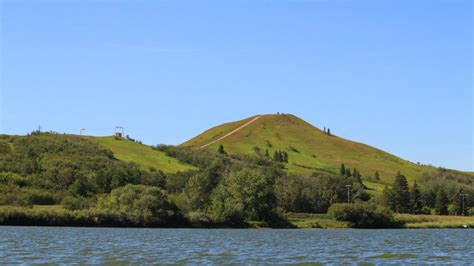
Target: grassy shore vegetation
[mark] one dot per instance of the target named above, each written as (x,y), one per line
(55,179)
(315,220)
(436,221)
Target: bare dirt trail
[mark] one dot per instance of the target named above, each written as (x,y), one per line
(232,132)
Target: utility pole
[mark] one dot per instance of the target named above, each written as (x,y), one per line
(462,195)
(348,193)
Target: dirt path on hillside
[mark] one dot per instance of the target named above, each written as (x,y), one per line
(232,132)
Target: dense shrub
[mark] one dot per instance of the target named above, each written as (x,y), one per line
(93,217)
(65,162)
(200,219)
(77,203)
(145,205)
(200,158)
(176,182)
(90,217)
(198,190)
(244,194)
(364,215)
(26,196)
(15,179)
(471,211)
(41,197)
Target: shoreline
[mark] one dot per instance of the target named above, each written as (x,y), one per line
(241,228)
(34,217)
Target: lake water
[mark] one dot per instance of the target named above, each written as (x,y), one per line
(222,246)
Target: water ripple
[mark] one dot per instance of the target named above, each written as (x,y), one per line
(117,246)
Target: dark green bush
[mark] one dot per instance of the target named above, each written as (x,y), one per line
(26,196)
(247,194)
(28,216)
(91,217)
(364,215)
(16,179)
(76,203)
(61,162)
(145,205)
(41,197)
(470,212)
(200,219)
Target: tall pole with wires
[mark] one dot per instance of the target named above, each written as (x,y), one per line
(462,195)
(348,193)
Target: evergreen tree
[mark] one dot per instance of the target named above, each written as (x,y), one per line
(357,176)
(429,198)
(348,172)
(355,173)
(416,202)
(401,193)
(377,176)
(457,201)
(285,157)
(343,170)
(441,203)
(266,153)
(278,156)
(221,149)
(389,198)
(329,132)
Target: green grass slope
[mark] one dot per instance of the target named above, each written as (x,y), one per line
(143,155)
(215,133)
(308,147)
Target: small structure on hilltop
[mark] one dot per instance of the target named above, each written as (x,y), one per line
(119,132)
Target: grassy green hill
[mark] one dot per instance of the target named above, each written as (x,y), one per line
(143,155)
(308,147)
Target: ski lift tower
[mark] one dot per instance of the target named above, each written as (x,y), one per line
(119,131)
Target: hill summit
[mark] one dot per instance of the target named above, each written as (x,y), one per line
(308,147)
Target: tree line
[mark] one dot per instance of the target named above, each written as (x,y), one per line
(431,200)
(223,189)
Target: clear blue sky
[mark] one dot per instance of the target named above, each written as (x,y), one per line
(396,75)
